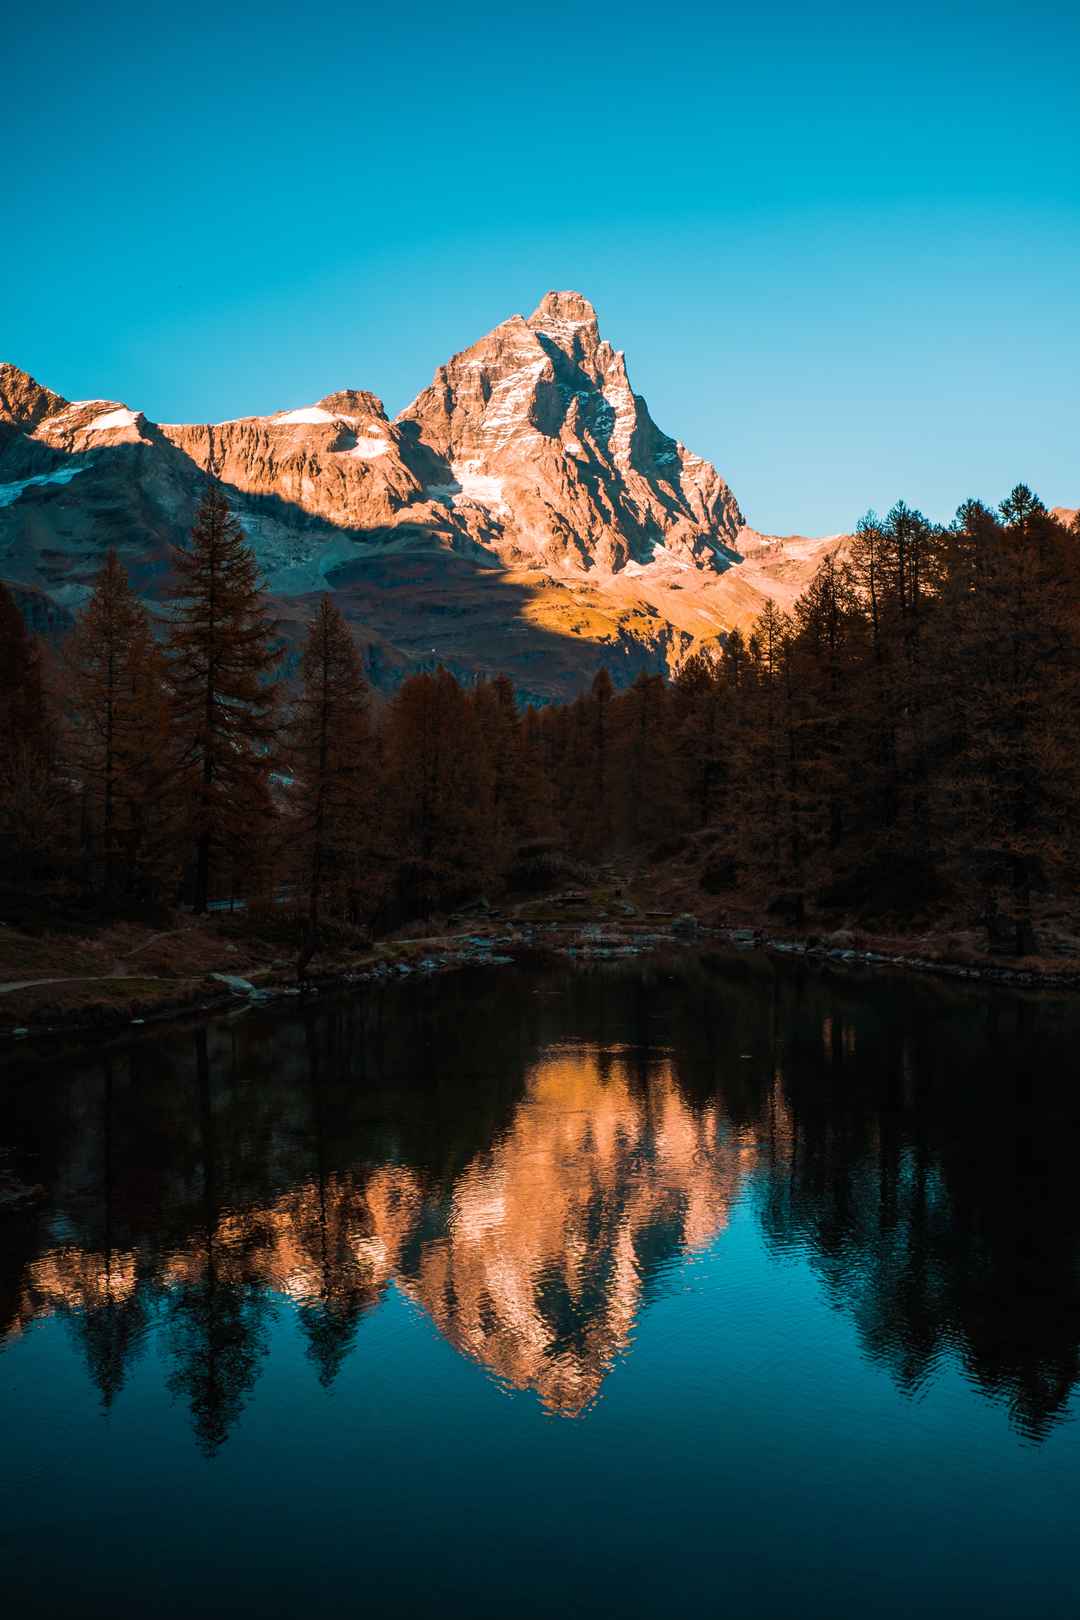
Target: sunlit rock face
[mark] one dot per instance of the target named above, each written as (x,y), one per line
(523,514)
(530,447)
(555,459)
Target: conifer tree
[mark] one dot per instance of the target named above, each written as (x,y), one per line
(537,790)
(329,755)
(220,647)
(23,717)
(32,799)
(825,654)
(735,679)
(499,724)
(767,809)
(107,660)
(698,733)
(645,767)
(439,789)
(149,835)
(1015,657)
(588,786)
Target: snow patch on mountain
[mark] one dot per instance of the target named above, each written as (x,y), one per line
(9,493)
(120,418)
(308,415)
(474,485)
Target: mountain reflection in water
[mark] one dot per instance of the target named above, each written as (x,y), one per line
(530,1159)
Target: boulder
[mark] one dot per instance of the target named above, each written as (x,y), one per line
(243,987)
(686,926)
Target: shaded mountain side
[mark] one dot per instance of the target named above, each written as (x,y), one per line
(421,609)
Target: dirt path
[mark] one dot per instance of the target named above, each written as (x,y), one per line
(80,978)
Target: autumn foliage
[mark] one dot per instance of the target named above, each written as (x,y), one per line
(907,738)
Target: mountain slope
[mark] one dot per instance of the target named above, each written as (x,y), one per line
(524,512)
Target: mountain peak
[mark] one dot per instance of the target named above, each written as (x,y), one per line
(563,309)
(550,458)
(23,400)
(353,402)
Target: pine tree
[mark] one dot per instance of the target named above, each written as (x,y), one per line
(439,793)
(220,647)
(826,653)
(645,768)
(105,661)
(698,732)
(588,789)
(1015,657)
(23,717)
(148,832)
(495,708)
(329,754)
(33,802)
(765,827)
(537,788)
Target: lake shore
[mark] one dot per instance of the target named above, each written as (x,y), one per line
(53,985)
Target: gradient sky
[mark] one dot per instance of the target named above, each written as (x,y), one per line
(840,244)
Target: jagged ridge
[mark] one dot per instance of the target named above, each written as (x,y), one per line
(523,512)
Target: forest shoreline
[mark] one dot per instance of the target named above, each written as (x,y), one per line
(106,1004)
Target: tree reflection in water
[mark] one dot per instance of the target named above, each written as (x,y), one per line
(526,1157)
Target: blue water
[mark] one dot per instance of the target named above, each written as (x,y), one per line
(714,1302)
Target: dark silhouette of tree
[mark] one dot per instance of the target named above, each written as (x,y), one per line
(329,754)
(904,743)
(215,1319)
(33,802)
(439,793)
(119,729)
(113,1320)
(699,736)
(766,827)
(644,763)
(221,653)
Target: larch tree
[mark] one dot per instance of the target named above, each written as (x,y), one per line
(698,733)
(221,653)
(826,653)
(1019,649)
(329,756)
(495,708)
(149,832)
(439,794)
(766,808)
(644,761)
(32,799)
(105,659)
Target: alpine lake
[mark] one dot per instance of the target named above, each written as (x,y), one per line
(702,1283)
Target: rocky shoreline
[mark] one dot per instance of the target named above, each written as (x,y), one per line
(500,942)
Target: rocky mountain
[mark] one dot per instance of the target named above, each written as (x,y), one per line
(523,513)
(554,459)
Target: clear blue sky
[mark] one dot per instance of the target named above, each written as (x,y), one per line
(840,244)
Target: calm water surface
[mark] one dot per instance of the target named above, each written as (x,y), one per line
(693,1286)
